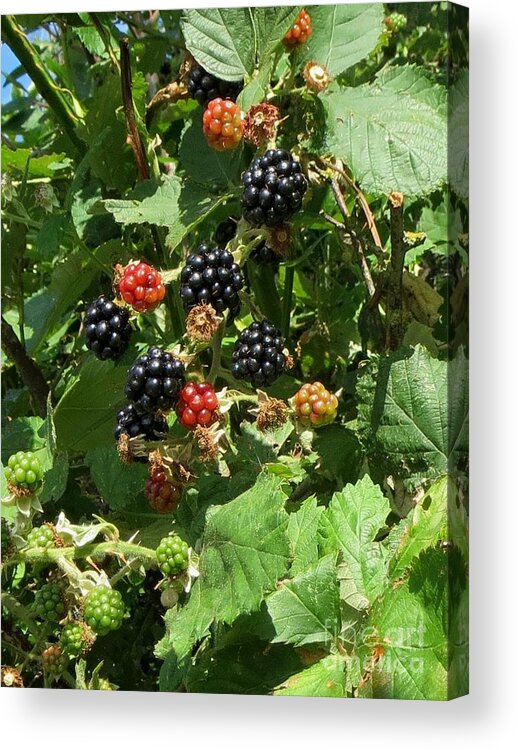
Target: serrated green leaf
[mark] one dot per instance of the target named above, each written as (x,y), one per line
(222,40)
(245,552)
(325,679)
(120,485)
(39,166)
(389,133)
(306,609)
(411,646)
(458,135)
(342,35)
(204,164)
(350,524)
(418,418)
(22,434)
(302,533)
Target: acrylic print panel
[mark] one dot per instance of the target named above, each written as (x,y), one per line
(235,318)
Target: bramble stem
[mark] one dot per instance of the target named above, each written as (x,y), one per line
(54,554)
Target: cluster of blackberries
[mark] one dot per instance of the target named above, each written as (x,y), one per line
(273,188)
(204,86)
(107,328)
(155,380)
(211,275)
(258,354)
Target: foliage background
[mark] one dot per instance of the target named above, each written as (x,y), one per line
(62,252)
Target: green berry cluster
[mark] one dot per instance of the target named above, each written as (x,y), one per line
(54,660)
(24,470)
(173,555)
(41,536)
(103,610)
(74,640)
(49,602)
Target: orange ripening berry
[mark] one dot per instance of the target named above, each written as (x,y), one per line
(300,31)
(141,286)
(315,405)
(223,124)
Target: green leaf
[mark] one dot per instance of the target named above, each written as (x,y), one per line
(22,434)
(391,133)
(302,533)
(418,418)
(350,524)
(306,609)
(342,35)
(204,164)
(120,485)
(411,648)
(325,679)
(271,24)
(172,203)
(426,524)
(85,414)
(458,135)
(254,670)
(222,40)
(340,453)
(39,166)
(245,552)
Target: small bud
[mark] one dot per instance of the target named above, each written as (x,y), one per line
(207,442)
(317,76)
(11,677)
(202,323)
(45,197)
(261,123)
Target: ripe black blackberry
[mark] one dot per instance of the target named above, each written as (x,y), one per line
(225,231)
(258,354)
(273,188)
(131,422)
(154,381)
(263,255)
(211,275)
(203,86)
(107,328)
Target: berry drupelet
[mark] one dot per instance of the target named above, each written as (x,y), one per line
(273,188)
(204,87)
(107,328)
(41,536)
(155,380)
(211,275)
(258,354)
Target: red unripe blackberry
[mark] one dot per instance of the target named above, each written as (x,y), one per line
(300,31)
(315,405)
(162,494)
(141,286)
(197,405)
(223,124)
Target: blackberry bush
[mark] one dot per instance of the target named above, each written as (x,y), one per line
(204,87)
(132,422)
(107,328)
(24,471)
(155,380)
(173,555)
(103,609)
(273,188)
(211,275)
(259,354)
(197,405)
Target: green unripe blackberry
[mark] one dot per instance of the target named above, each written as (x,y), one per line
(24,470)
(75,638)
(49,602)
(41,536)
(173,555)
(104,610)
(54,660)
